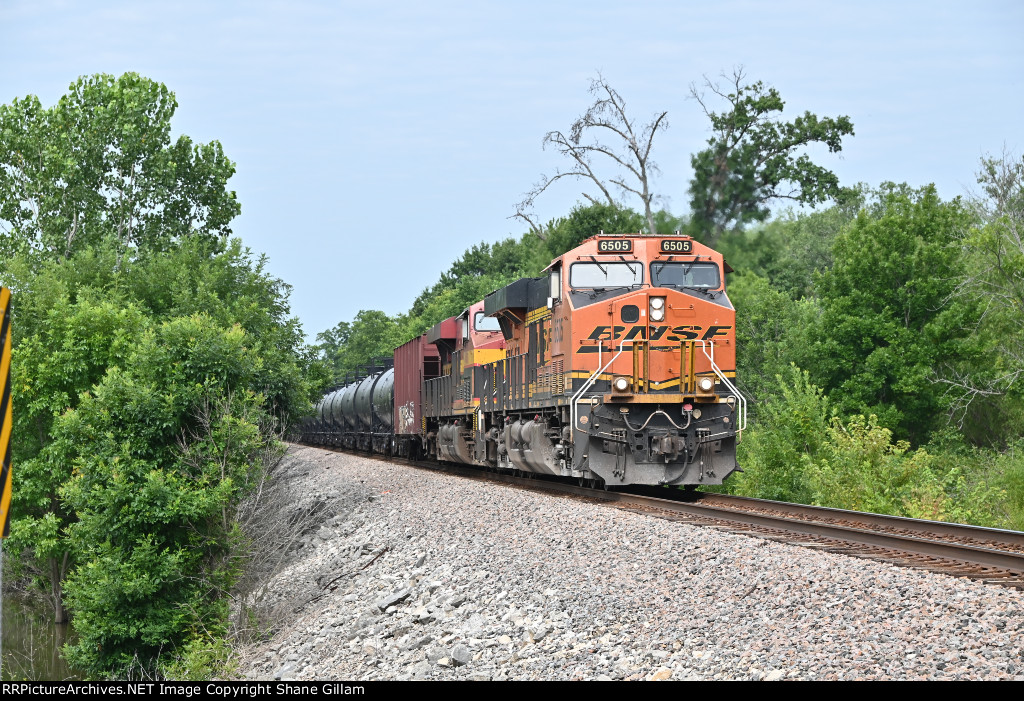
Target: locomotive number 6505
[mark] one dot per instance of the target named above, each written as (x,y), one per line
(614,246)
(676,246)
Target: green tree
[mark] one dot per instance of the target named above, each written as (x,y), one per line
(988,396)
(231,285)
(71,352)
(160,453)
(887,321)
(349,347)
(753,158)
(667,224)
(80,321)
(101,165)
(770,327)
(508,256)
(479,271)
(584,221)
(792,247)
(453,300)
(108,231)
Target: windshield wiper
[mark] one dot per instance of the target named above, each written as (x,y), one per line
(594,291)
(705,290)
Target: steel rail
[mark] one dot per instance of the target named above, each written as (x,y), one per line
(728,509)
(972,554)
(917,545)
(923,526)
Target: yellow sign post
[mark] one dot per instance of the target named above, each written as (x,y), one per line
(5,434)
(5,411)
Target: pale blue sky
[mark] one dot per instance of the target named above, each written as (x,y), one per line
(375,142)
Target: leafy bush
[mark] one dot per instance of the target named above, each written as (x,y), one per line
(799,450)
(768,335)
(1013,483)
(777,452)
(161,452)
(862,469)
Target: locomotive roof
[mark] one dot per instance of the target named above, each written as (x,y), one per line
(698,248)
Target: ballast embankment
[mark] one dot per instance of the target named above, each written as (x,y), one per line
(418,575)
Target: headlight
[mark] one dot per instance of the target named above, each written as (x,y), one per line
(657,315)
(657,302)
(620,384)
(706,384)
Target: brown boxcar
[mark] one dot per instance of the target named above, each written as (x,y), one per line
(415,362)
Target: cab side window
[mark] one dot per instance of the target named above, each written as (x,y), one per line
(555,291)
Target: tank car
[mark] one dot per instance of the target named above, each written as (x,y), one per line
(358,414)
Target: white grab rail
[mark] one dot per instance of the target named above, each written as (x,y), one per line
(742,409)
(591,380)
(705,346)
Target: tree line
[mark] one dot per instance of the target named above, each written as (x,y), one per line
(154,365)
(753,158)
(880,337)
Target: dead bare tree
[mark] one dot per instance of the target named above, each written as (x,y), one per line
(631,158)
(271,531)
(995,249)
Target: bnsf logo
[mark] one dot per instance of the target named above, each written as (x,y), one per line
(658,333)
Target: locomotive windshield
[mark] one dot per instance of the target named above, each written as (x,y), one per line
(485,323)
(597,275)
(665,274)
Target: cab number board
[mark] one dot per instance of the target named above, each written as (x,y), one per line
(614,246)
(676,246)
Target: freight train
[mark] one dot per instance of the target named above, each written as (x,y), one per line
(617,366)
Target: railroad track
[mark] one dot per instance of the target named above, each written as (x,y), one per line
(992,555)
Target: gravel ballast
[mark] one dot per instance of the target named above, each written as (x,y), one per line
(418,575)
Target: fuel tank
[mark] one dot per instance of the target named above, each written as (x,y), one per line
(322,406)
(336,399)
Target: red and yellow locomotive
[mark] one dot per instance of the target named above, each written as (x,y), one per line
(617,366)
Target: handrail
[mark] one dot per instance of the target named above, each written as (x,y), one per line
(689,418)
(590,381)
(742,413)
(705,346)
(642,353)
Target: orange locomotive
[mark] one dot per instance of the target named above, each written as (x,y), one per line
(617,367)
